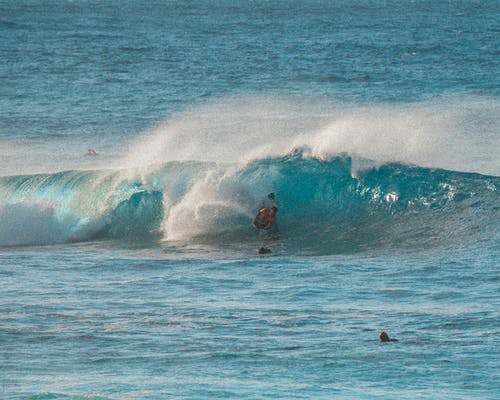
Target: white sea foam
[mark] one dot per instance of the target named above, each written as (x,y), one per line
(211,201)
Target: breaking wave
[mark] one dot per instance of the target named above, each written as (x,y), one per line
(325,206)
(346,177)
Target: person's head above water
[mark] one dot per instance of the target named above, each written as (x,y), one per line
(384,337)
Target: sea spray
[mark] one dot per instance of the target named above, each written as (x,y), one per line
(437,133)
(457,132)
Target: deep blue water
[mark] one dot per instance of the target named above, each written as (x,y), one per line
(133,274)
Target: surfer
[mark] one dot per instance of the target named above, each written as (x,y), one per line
(266,216)
(384,337)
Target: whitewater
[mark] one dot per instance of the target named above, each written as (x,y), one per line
(131,271)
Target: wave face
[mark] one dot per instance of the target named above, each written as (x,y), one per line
(74,206)
(324,207)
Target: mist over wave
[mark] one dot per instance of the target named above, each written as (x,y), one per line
(457,133)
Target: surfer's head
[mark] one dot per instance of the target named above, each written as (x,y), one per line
(264,250)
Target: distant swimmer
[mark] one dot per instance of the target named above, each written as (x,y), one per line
(91,152)
(384,337)
(264,250)
(266,217)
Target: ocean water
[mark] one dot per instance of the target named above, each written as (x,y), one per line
(134,273)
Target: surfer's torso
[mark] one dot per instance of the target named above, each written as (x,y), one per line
(265,217)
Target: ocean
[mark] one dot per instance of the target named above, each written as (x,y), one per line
(138,140)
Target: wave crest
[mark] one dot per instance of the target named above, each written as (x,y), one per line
(323,205)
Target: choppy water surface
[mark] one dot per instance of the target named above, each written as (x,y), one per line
(131,326)
(133,273)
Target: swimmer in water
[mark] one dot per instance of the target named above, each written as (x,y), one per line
(264,250)
(91,152)
(384,337)
(266,216)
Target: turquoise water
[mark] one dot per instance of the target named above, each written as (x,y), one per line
(87,322)
(134,273)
